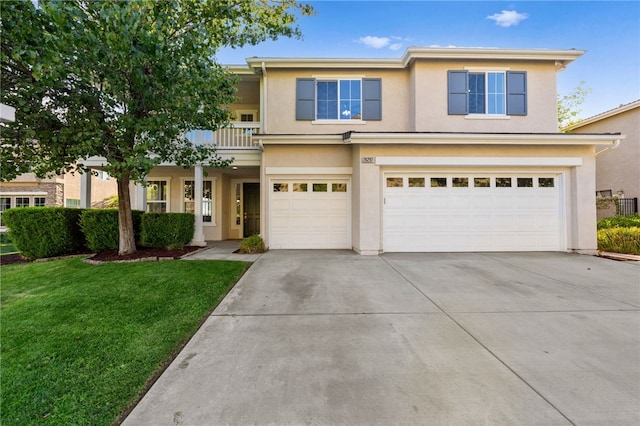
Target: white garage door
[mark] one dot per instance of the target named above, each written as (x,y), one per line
(438,212)
(310,214)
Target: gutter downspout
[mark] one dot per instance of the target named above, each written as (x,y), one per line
(609,148)
(263,114)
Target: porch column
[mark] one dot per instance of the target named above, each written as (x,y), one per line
(198,234)
(139,197)
(85,190)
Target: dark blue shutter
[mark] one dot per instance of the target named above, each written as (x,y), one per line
(371,99)
(458,89)
(516,93)
(305,99)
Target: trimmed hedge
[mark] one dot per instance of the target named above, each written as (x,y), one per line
(167,230)
(39,232)
(619,240)
(619,222)
(100,228)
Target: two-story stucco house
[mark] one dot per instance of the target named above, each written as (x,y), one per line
(443,149)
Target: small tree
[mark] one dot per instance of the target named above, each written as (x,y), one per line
(568,105)
(123,80)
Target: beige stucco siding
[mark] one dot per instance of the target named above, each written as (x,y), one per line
(619,169)
(431,109)
(281,102)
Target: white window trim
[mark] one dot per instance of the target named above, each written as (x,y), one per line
(213,198)
(337,120)
(239,113)
(486,115)
(168,200)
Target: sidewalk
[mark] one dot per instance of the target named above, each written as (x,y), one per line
(223,250)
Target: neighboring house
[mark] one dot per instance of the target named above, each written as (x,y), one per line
(617,170)
(27,190)
(443,149)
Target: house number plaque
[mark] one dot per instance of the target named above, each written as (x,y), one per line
(368,160)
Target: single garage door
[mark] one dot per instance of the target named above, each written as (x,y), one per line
(310,214)
(438,212)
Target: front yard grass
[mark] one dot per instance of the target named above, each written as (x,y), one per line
(80,342)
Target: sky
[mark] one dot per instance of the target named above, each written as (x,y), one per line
(609,31)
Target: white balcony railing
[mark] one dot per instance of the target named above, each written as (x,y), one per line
(238,136)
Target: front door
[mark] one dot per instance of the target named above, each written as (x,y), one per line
(251,205)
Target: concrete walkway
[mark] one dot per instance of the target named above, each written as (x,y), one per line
(223,250)
(334,338)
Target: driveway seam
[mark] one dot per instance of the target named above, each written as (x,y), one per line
(324,314)
(529,385)
(567,283)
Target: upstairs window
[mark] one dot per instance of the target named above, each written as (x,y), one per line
(488,93)
(338,99)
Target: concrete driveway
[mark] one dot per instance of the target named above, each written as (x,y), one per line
(331,337)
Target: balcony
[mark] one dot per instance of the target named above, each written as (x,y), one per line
(238,136)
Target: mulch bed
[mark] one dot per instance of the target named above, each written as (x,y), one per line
(143,253)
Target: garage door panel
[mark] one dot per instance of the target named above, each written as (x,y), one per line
(310,219)
(472,218)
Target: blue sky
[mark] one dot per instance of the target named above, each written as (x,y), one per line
(608,30)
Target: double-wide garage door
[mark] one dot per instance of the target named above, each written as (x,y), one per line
(310,214)
(427,212)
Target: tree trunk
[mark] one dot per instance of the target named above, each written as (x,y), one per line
(125,220)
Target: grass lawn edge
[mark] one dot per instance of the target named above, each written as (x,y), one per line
(167,362)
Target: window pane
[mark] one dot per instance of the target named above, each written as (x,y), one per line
(495,94)
(157,207)
(280,187)
(439,182)
(300,187)
(319,187)
(481,182)
(238,190)
(327,100)
(476,93)
(190,207)
(416,182)
(188,190)
(546,182)
(350,99)
(5,203)
(156,190)
(525,182)
(503,182)
(38,201)
(394,182)
(22,201)
(460,182)
(338,187)
(72,202)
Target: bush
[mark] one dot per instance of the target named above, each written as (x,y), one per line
(5,238)
(100,228)
(39,232)
(619,240)
(167,230)
(253,244)
(619,222)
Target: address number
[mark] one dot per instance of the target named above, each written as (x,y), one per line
(368,160)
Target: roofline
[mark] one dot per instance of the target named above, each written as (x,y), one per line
(439,138)
(604,115)
(561,57)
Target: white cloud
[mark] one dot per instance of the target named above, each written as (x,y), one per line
(375,42)
(507,18)
(395,46)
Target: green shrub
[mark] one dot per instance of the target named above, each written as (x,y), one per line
(39,232)
(619,222)
(619,240)
(252,244)
(100,228)
(5,238)
(167,230)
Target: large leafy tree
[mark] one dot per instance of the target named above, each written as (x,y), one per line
(123,80)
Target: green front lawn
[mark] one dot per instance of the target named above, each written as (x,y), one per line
(79,342)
